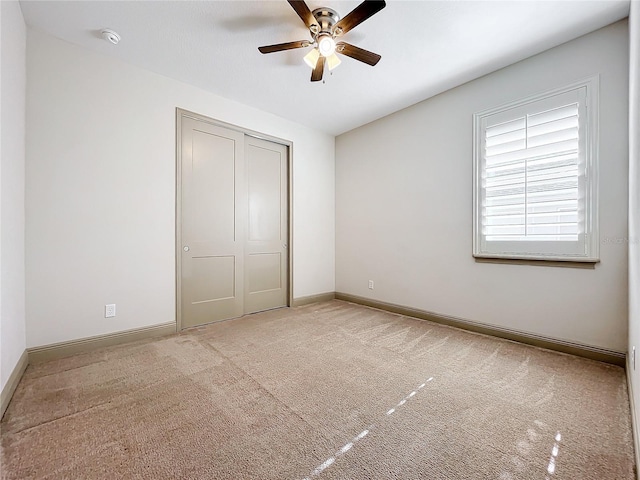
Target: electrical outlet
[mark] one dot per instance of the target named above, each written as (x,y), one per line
(370,284)
(110,310)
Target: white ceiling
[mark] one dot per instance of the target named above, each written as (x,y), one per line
(427,47)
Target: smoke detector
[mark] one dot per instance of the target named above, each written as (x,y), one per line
(110,36)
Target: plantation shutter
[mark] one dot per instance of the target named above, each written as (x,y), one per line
(532,196)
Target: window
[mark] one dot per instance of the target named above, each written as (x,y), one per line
(535,177)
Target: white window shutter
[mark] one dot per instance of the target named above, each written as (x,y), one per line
(533,196)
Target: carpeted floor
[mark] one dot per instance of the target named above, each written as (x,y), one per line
(326,391)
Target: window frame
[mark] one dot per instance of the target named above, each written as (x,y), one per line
(591,252)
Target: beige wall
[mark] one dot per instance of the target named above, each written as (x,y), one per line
(12,141)
(634,200)
(404,206)
(100,197)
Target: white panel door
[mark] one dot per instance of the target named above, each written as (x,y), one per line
(266,249)
(214,215)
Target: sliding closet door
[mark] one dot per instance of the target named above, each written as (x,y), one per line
(233,223)
(266,249)
(213,222)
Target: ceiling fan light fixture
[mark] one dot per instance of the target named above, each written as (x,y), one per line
(311,58)
(325,25)
(326,45)
(333,61)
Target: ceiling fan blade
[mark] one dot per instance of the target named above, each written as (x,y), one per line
(303,12)
(284,46)
(358,53)
(366,9)
(316,75)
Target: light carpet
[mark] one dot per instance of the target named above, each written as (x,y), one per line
(326,391)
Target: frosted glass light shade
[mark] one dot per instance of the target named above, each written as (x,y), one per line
(311,58)
(333,61)
(326,45)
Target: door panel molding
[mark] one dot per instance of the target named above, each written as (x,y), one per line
(213,228)
(266,240)
(183,115)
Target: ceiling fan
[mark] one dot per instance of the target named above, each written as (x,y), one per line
(325,25)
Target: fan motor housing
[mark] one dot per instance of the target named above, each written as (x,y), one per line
(326,18)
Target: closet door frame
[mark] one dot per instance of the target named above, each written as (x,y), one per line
(182,113)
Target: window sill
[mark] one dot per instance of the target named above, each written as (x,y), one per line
(587,263)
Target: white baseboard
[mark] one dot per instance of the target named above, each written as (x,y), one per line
(12,383)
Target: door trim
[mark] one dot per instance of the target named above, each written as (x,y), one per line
(182,113)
